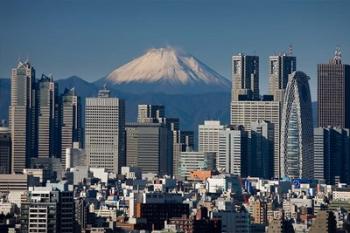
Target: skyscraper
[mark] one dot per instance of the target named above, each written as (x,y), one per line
(332,155)
(150,113)
(21,115)
(5,150)
(233,150)
(280,66)
(147,147)
(208,136)
(105,131)
(194,160)
(297,129)
(246,112)
(333,93)
(261,142)
(70,120)
(245,76)
(47,118)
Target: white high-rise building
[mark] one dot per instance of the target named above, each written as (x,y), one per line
(233,154)
(208,136)
(297,158)
(21,115)
(105,132)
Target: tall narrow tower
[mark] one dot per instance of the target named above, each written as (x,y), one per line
(70,120)
(245,77)
(47,118)
(21,115)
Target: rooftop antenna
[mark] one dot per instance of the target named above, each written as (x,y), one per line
(337,55)
(290,50)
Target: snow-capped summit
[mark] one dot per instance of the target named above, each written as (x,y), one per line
(166,70)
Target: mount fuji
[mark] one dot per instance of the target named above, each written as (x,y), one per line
(166,70)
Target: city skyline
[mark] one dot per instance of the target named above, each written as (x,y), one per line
(92,41)
(94,139)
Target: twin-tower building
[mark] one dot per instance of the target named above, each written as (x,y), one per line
(287,108)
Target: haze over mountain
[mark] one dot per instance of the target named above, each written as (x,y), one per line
(166,70)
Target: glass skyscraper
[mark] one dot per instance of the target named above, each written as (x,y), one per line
(297,128)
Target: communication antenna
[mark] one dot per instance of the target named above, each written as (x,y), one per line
(337,55)
(290,50)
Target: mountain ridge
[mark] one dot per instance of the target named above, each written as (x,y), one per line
(166,70)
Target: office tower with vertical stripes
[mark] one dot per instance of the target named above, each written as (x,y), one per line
(47,120)
(332,155)
(21,115)
(261,143)
(333,93)
(147,147)
(245,77)
(280,67)
(105,131)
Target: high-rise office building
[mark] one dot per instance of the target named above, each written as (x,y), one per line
(297,128)
(332,155)
(21,115)
(150,113)
(70,121)
(182,141)
(233,150)
(280,67)
(208,136)
(5,150)
(245,112)
(333,93)
(147,147)
(47,131)
(105,131)
(195,160)
(261,143)
(245,76)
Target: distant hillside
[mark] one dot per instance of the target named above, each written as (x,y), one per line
(192,109)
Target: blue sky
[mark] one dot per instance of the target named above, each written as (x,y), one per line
(90,38)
